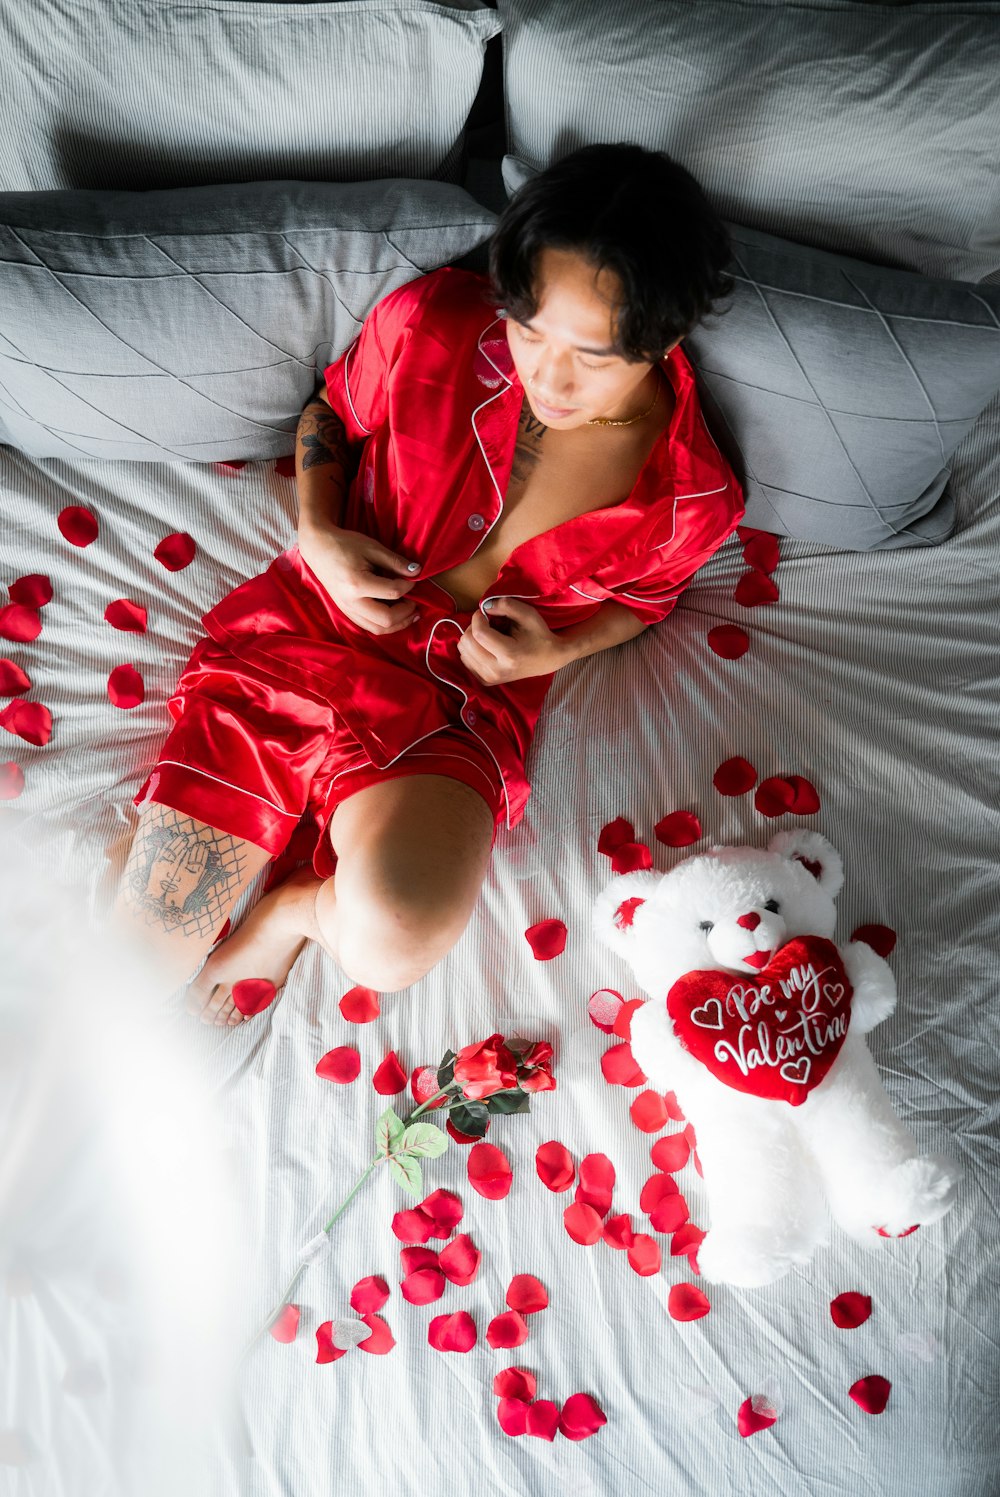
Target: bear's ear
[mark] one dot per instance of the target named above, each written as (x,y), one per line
(615,910)
(818,856)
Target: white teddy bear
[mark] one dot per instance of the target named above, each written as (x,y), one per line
(756,1021)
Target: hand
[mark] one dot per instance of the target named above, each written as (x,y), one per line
(526,647)
(366,580)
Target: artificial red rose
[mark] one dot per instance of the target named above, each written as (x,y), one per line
(483,1069)
(534,1074)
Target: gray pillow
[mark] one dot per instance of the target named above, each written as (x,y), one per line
(140,94)
(866,129)
(193,325)
(839,390)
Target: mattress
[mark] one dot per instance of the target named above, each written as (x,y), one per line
(873,675)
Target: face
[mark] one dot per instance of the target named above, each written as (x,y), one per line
(176,871)
(565,349)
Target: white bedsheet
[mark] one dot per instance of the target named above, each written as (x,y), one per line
(876,677)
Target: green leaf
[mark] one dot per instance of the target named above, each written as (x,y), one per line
(424,1140)
(513,1101)
(388,1131)
(446,1070)
(470,1118)
(407,1171)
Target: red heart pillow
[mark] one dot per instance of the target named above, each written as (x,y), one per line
(774,1034)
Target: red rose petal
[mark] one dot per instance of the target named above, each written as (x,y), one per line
(19,623)
(554,1166)
(644,1255)
(614,834)
(690,1135)
(29,720)
(754,1414)
(369,1295)
(463,1138)
(806,799)
(413,1225)
(546,939)
(580,1417)
(526,1294)
(11,780)
(630,856)
(673,1107)
(342,1065)
(489,1171)
(507,1330)
(389,1078)
(285,466)
(762,551)
(735,777)
(543,1419)
(460,1260)
(597,1182)
(78,525)
(452,1332)
(619,1067)
(649,1112)
(618,1232)
(687,1239)
(232,465)
(512,1414)
(729,641)
(755,588)
(360,1006)
(444,1209)
(871,1393)
(325,1349)
(13,680)
(582,1223)
(125,615)
(850,1310)
(881,938)
(686,1302)
(286,1327)
(656,1189)
(669,1214)
(252,995)
(622,1026)
(603,1007)
(412,1258)
(515,1382)
(422,1286)
(670,1153)
(424,1085)
(175,551)
(34,591)
(125,687)
(679,829)
(774,796)
(381,1339)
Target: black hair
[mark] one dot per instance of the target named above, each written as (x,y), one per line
(625,209)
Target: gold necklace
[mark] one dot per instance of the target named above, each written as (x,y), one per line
(606,420)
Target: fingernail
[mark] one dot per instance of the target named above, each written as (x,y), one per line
(487,605)
(413,566)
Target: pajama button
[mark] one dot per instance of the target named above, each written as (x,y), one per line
(470,716)
(476,522)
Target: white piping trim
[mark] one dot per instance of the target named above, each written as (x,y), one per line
(503,391)
(638,598)
(591,596)
(465,697)
(464,758)
(238,788)
(347,385)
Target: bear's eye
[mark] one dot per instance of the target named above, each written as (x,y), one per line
(773,906)
(707,925)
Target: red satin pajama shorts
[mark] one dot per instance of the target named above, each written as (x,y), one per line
(251,757)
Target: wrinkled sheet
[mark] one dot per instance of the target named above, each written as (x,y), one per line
(876,677)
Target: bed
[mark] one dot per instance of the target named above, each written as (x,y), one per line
(873,674)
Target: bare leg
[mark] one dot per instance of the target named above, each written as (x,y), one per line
(182,879)
(412,855)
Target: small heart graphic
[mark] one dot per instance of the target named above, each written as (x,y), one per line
(780,1013)
(797,1070)
(833,991)
(709,1016)
(347,1333)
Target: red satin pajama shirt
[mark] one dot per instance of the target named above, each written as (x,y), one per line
(287,707)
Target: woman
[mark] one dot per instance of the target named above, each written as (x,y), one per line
(501,475)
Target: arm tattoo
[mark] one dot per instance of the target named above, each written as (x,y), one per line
(322,435)
(181,874)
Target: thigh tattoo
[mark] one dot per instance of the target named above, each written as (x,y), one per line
(180,875)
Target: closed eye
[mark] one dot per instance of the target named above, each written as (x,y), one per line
(773,906)
(706,925)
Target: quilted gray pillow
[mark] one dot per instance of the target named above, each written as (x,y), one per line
(193,325)
(840,389)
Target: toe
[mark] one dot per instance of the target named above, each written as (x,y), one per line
(220,994)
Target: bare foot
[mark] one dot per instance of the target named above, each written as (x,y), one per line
(266,944)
